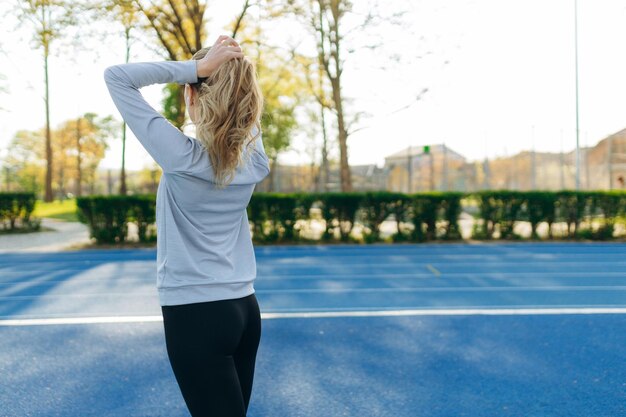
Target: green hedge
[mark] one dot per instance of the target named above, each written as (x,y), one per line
(108,216)
(16,209)
(587,214)
(420,217)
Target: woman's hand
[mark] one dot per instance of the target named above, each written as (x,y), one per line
(224,49)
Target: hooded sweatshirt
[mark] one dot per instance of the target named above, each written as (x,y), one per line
(204,246)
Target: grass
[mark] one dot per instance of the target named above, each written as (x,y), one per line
(57,209)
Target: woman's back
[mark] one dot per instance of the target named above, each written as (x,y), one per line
(205,249)
(206,265)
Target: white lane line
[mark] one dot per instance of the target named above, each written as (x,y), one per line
(448,312)
(319,314)
(80,320)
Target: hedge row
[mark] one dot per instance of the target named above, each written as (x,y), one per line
(502,209)
(420,217)
(16,209)
(275,216)
(108,216)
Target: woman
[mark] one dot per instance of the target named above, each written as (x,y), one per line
(206,265)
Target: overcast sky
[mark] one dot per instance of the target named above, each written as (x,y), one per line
(500,76)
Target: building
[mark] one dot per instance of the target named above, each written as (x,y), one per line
(422,168)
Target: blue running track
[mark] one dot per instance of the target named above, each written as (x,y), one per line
(445,330)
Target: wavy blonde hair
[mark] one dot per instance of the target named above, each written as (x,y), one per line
(229,105)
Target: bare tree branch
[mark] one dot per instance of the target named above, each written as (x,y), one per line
(246,6)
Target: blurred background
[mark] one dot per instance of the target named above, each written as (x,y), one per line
(404,96)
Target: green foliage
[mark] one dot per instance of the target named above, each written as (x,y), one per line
(16,209)
(25,164)
(142,212)
(279,217)
(500,210)
(274,216)
(339,211)
(278,122)
(173,109)
(376,207)
(108,216)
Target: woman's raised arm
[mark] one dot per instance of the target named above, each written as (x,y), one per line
(167,145)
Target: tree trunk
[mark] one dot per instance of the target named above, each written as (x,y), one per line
(48,194)
(123,190)
(79,177)
(273,163)
(325,167)
(62,181)
(335,81)
(346,181)
(180,119)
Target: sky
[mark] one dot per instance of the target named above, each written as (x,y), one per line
(500,76)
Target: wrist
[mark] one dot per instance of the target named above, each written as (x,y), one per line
(203,68)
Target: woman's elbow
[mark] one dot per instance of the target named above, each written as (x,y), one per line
(110,73)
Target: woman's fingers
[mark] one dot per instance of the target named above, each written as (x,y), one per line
(226,40)
(224,49)
(220,39)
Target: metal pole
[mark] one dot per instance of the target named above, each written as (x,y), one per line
(533,164)
(444,186)
(587,181)
(562,160)
(409,170)
(576,78)
(609,160)
(432,171)
(486,171)
(487,174)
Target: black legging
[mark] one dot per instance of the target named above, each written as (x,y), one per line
(212,348)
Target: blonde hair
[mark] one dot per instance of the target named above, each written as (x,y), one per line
(228,106)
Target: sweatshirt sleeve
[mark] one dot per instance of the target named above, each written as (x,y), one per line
(167,144)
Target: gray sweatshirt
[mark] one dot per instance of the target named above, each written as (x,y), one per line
(204,246)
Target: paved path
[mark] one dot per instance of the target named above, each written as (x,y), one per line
(65,234)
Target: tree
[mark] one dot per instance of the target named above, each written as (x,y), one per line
(23,166)
(180,27)
(79,146)
(325,20)
(283,87)
(334,25)
(126,13)
(84,141)
(239,21)
(317,88)
(49,18)
(329,17)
